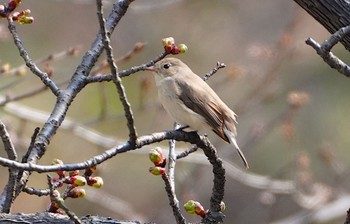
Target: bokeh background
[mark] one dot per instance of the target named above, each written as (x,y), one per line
(292,108)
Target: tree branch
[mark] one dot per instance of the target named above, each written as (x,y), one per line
(8,193)
(65,97)
(333,15)
(116,79)
(324,50)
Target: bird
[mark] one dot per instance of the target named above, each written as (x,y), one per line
(191,102)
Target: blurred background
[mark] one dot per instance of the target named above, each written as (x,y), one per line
(291,108)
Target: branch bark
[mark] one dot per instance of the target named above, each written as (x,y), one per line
(333,15)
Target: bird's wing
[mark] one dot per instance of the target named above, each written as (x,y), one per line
(204,105)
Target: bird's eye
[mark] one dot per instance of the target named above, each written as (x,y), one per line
(167,65)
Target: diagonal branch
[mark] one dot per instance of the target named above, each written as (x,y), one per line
(30,64)
(8,192)
(77,83)
(116,79)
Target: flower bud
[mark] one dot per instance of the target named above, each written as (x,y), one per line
(96,182)
(168,48)
(222,206)
(168,41)
(89,171)
(298,98)
(77,193)
(5,68)
(182,48)
(56,194)
(156,156)
(194,207)
(157,170)
(175,50)
(73,173)
(21,71)
(57,181)
(13,4)
(78,180)
(54,206)
(60,173)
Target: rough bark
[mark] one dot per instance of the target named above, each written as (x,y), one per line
(333,15)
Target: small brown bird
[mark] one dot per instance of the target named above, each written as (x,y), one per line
(190,101)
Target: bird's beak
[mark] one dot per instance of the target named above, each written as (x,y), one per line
(151,68)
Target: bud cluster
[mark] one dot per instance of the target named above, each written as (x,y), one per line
(74,181)
(158,159)
(6,10)
(171,48)
(194,207)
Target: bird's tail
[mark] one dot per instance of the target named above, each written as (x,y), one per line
(232,139)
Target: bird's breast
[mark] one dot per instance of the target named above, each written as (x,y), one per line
(169,92)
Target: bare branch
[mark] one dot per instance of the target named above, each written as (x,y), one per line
(324,50)
(187,152)
(214,70)
(174,203)
(71,214)
(77,82)
(37,192)
(30,64)
(11,183)
(127,72)
(116,79)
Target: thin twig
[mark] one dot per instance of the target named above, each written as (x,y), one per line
(104,64)
(174,203)
(172,160)
(52,57)
(12,155)
(29,93)
(324,50)
(214,70)
(169,180)
(187,152)
(116,79)
(71,214)
(25,160)
(30,64)
(37,192)
(127,72)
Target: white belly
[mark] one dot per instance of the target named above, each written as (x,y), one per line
(167,92)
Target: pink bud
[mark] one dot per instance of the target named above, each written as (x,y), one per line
(96,182)
(74,173)
(156,156)
(78,180)
(168,48)
(168,41)
(175,50)
(76,193)
(194,207)
(183,48)
(157,170)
